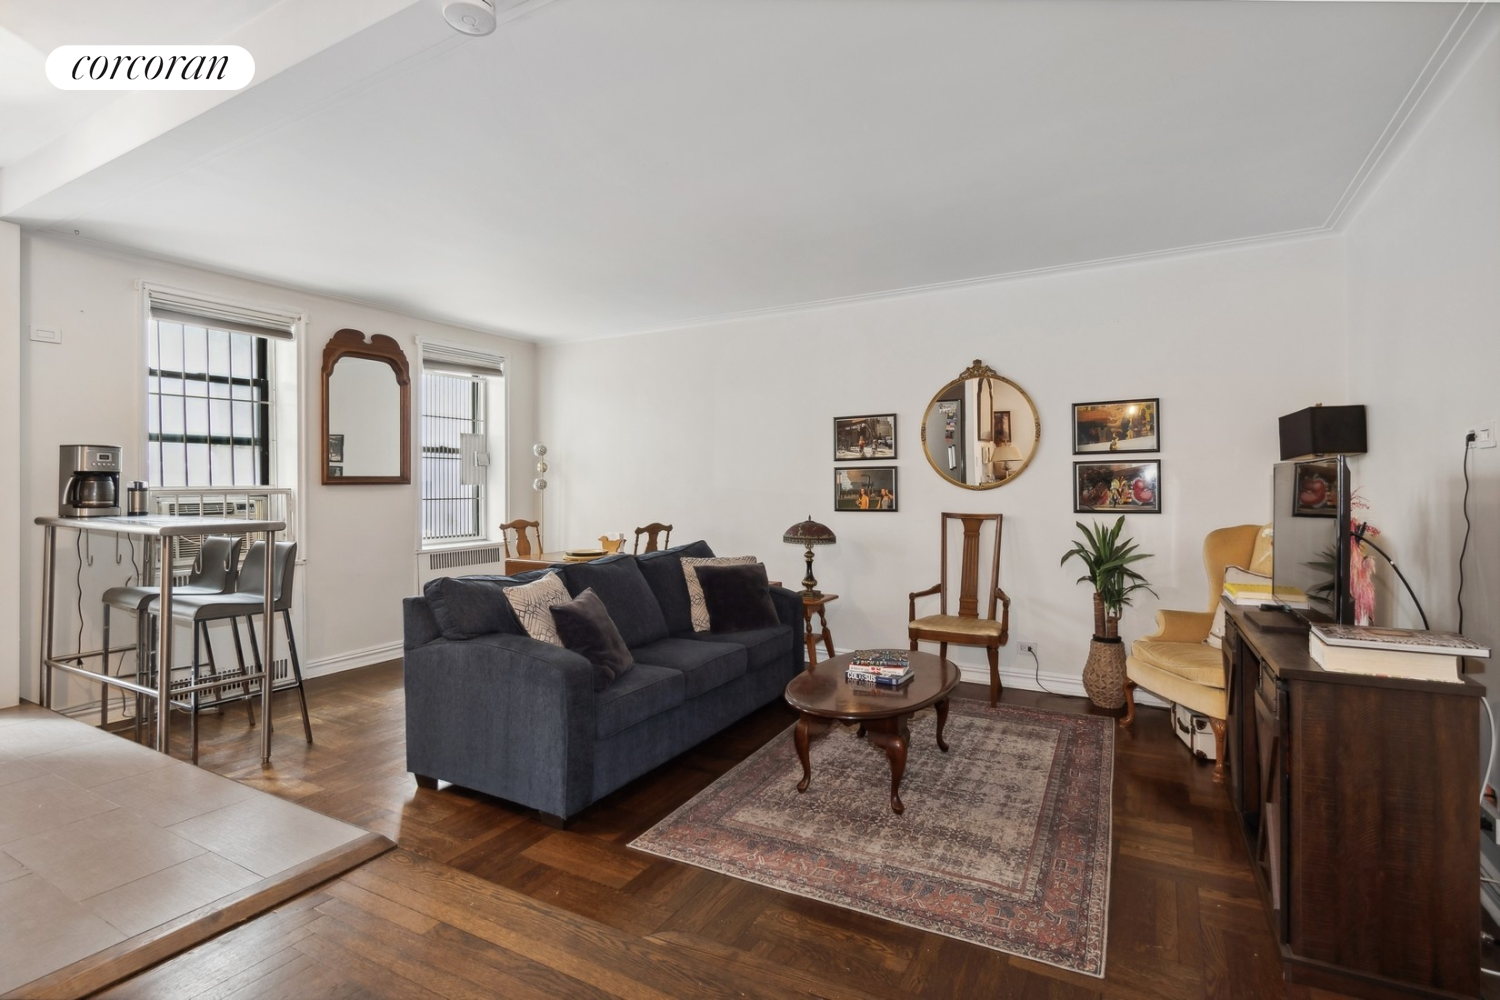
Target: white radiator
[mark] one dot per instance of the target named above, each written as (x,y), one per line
(481,560)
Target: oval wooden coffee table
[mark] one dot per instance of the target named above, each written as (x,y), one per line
(821,695)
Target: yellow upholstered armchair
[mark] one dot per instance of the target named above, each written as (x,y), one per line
(1176,662)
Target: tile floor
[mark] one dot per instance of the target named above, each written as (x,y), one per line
(102,839)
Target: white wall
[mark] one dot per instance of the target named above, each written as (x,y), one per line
(726,431)
(10,463)
(1424,319)
(358,541)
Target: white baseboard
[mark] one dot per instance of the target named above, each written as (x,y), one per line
(1026,680)
(352,660)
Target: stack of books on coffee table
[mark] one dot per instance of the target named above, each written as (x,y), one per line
(881,667)
(1392,652)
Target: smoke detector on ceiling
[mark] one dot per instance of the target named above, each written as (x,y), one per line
(472,17)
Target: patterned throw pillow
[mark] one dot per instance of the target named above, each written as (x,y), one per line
(533,602)
(695,589)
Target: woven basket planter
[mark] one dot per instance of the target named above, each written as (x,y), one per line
(1104,672)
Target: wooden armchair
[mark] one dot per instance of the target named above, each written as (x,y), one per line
(523,545)
(966,628)
(651,531)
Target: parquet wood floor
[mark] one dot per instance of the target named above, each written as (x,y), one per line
(483,900)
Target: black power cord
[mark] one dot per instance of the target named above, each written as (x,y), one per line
(1038,674)
(1468,440)
(1360,539)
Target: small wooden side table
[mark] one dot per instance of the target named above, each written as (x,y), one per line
(818,605)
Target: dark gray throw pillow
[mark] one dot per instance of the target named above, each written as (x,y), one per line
(468,606)
(585,627)
(663,572)
(738,597)
(617,581)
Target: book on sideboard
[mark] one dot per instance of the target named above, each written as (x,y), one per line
(1412,640)
(1416,654)
(1255,594)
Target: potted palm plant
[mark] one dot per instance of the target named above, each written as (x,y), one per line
(1108,559)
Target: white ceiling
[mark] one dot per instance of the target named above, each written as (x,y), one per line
(600,167)
(32,111)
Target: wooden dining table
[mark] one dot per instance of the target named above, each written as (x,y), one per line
(544,560)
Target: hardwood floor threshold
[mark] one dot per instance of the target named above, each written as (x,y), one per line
(133,955)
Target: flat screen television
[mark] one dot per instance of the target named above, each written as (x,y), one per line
(1310,555)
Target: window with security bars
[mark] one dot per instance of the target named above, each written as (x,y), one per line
(452,439)
(208,405)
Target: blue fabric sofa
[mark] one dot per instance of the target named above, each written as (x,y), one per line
(489,708)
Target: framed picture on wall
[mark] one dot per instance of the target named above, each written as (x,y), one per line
(862,438)
(1117,487)
(336,448)
(1002,427)
(865,488)
(1117,425)
(1317,485)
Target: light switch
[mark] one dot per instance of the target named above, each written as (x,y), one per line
(45,336)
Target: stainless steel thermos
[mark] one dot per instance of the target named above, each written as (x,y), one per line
(135,499)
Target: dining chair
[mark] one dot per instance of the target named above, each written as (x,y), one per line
(523,544)
(651,531)
(968,627)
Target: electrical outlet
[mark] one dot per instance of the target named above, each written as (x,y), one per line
(1484,435)
(1026,647)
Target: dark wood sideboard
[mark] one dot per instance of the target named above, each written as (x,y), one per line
(1359,801)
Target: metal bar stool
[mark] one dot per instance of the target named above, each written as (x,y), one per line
(214,572)
(246,602)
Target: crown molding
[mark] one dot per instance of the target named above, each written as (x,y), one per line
(1475,25)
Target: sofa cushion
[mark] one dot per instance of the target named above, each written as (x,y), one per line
(468,606)
(619,585)
(763,646)
(737,597)
(532,602)
(638,695)
(698,609)
(663,572)
(703,665)
(1212,702)
(1194,662)
(585,627)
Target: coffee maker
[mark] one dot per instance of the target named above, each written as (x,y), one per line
(88,477)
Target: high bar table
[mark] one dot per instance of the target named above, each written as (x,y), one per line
(163,529)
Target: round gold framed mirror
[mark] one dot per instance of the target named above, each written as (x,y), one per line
(981,430)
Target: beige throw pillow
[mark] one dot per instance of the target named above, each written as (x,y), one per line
(533,603)
(696,605)
(1232,574)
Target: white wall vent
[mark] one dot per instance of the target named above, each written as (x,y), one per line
(483,560)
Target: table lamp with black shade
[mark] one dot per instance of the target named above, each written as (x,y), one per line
(809,533)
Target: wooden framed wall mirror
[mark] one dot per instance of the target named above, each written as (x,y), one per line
(981,430)
(366,411)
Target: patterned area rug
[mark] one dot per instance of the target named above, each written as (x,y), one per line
(1004,842)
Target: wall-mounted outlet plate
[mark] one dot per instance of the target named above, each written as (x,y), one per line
(1484,435)
(1026,647)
